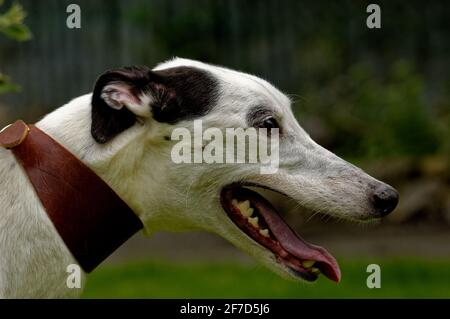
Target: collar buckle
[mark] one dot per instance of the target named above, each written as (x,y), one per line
(14,134)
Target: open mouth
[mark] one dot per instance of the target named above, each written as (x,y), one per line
(257,218)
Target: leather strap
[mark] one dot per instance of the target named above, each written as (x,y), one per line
(90,217)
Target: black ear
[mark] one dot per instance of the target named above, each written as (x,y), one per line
(119,96)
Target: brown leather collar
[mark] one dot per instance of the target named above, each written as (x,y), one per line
(89,216)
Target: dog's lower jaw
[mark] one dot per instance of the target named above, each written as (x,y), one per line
(260,254)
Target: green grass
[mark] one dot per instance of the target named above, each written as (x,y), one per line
(401,278)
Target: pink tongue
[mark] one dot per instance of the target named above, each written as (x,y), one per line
(293,243)
(298,247)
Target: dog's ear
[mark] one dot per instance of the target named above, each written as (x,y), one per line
(121,96)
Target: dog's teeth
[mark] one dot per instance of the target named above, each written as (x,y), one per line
(234,202)
(244,206)
(253,221)
(315,270)
(264,232)
(247,213)
(308,263)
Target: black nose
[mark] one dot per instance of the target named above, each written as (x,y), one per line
(385,199)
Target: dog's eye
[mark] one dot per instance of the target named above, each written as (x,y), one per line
(269,123)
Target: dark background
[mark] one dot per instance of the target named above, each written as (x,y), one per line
(377,97)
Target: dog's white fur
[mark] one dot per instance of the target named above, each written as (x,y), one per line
(167,197)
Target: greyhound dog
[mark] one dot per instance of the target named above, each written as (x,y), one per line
(122,132)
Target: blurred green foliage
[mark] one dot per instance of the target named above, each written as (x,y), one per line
(11,23)
(12,26)
(400,278)
(372,116)
(6,86)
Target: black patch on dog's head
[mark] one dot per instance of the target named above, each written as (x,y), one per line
(183,93)
(176,94)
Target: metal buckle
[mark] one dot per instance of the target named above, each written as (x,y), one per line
(14,134)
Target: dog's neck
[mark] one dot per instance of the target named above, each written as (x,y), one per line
(70,125)
(130,163)
(24,221)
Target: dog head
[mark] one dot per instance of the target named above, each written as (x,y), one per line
(141,108)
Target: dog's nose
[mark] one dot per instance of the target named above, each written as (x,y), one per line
(385,199)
